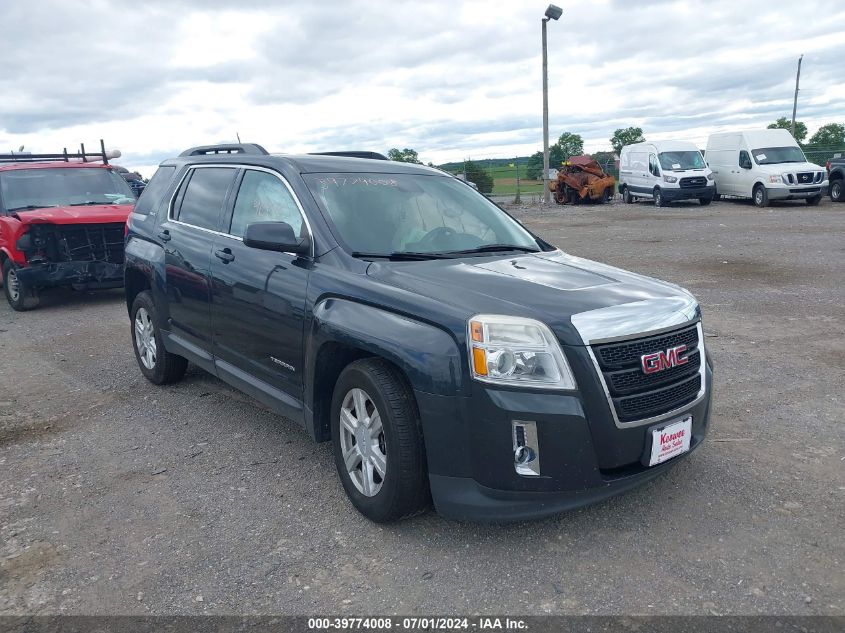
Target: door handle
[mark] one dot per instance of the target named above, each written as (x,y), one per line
(164,235)
(224,255)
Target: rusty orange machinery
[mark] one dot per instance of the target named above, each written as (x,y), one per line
(581,179)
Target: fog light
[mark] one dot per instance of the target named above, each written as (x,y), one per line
(526,449)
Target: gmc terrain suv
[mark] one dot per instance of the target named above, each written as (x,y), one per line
(62,223)
(449,354)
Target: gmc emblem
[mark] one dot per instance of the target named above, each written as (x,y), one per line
(658,361)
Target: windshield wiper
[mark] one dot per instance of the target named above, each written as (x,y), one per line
(494,248)
(29,207)
(398,256)
(87,203)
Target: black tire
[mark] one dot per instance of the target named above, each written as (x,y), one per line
(20,297)
(659,201)
(760,196)
(166,367)
(704,201)
(717,196)
(814,201)
(606,196)
(404,489)
(627,198)
(836,193)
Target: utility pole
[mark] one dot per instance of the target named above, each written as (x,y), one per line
(795,101)
(552,13)
(517,200)
(545,117)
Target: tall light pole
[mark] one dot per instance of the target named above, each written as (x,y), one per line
(552,13)
(795,101)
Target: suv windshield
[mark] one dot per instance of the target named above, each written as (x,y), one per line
(775,155)
(677,161)
(395,214)
(22,189)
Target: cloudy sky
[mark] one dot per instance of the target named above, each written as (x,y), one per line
(452,79)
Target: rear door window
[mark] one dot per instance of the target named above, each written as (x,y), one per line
(205,194)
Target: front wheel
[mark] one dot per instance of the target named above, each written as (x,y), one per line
(158,365)
(761,196)
(19,296)
(378,445)
(836,190)
(659,201)
(814,201)
(704,201)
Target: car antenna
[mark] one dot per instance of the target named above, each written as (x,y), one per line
(238,136)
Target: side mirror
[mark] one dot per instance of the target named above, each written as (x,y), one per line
(275,236)
(745,164)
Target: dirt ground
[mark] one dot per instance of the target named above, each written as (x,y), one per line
(119,497)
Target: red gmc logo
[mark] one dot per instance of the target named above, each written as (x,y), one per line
(658,361)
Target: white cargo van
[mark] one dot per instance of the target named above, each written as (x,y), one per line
(664,171)
(764,165)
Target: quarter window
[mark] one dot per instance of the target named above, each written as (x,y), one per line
(262,197)
(204,197)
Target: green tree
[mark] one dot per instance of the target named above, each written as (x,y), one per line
(406,155)
(831,135)
(626,136)
(480,176)
(534,166)
(567,145)
(786,124)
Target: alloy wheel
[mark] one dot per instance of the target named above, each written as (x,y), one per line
(145,340)
(14,285)
(362,442)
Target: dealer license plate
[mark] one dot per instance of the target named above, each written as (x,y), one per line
(670,441)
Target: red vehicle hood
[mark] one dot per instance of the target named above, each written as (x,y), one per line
(93,214)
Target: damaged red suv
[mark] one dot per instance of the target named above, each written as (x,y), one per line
(62,223)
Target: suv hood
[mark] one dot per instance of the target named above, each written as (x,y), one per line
(92,214)
(551,287)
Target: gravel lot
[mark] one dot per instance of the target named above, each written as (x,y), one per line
(119,497)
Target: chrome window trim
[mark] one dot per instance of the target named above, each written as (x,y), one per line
(702,371)
(236,166)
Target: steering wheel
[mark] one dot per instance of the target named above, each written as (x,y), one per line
(441,232)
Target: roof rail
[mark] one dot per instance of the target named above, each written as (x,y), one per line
(353,154)
(27,157)
(225,148)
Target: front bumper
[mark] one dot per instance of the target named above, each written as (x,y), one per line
(584,457)
(86,274)
(689,194)
(797,193)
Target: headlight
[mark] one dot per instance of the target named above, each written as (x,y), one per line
(508,350)
(775,179)
(710,176)
(670,178)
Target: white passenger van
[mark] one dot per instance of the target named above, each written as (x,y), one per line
(764,165)
(664,171)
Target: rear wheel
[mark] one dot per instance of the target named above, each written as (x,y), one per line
(378,445)
(659,201)
(158,365)
(836,190)
(19,296)
(626,196)
(814,201)
(760,196)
